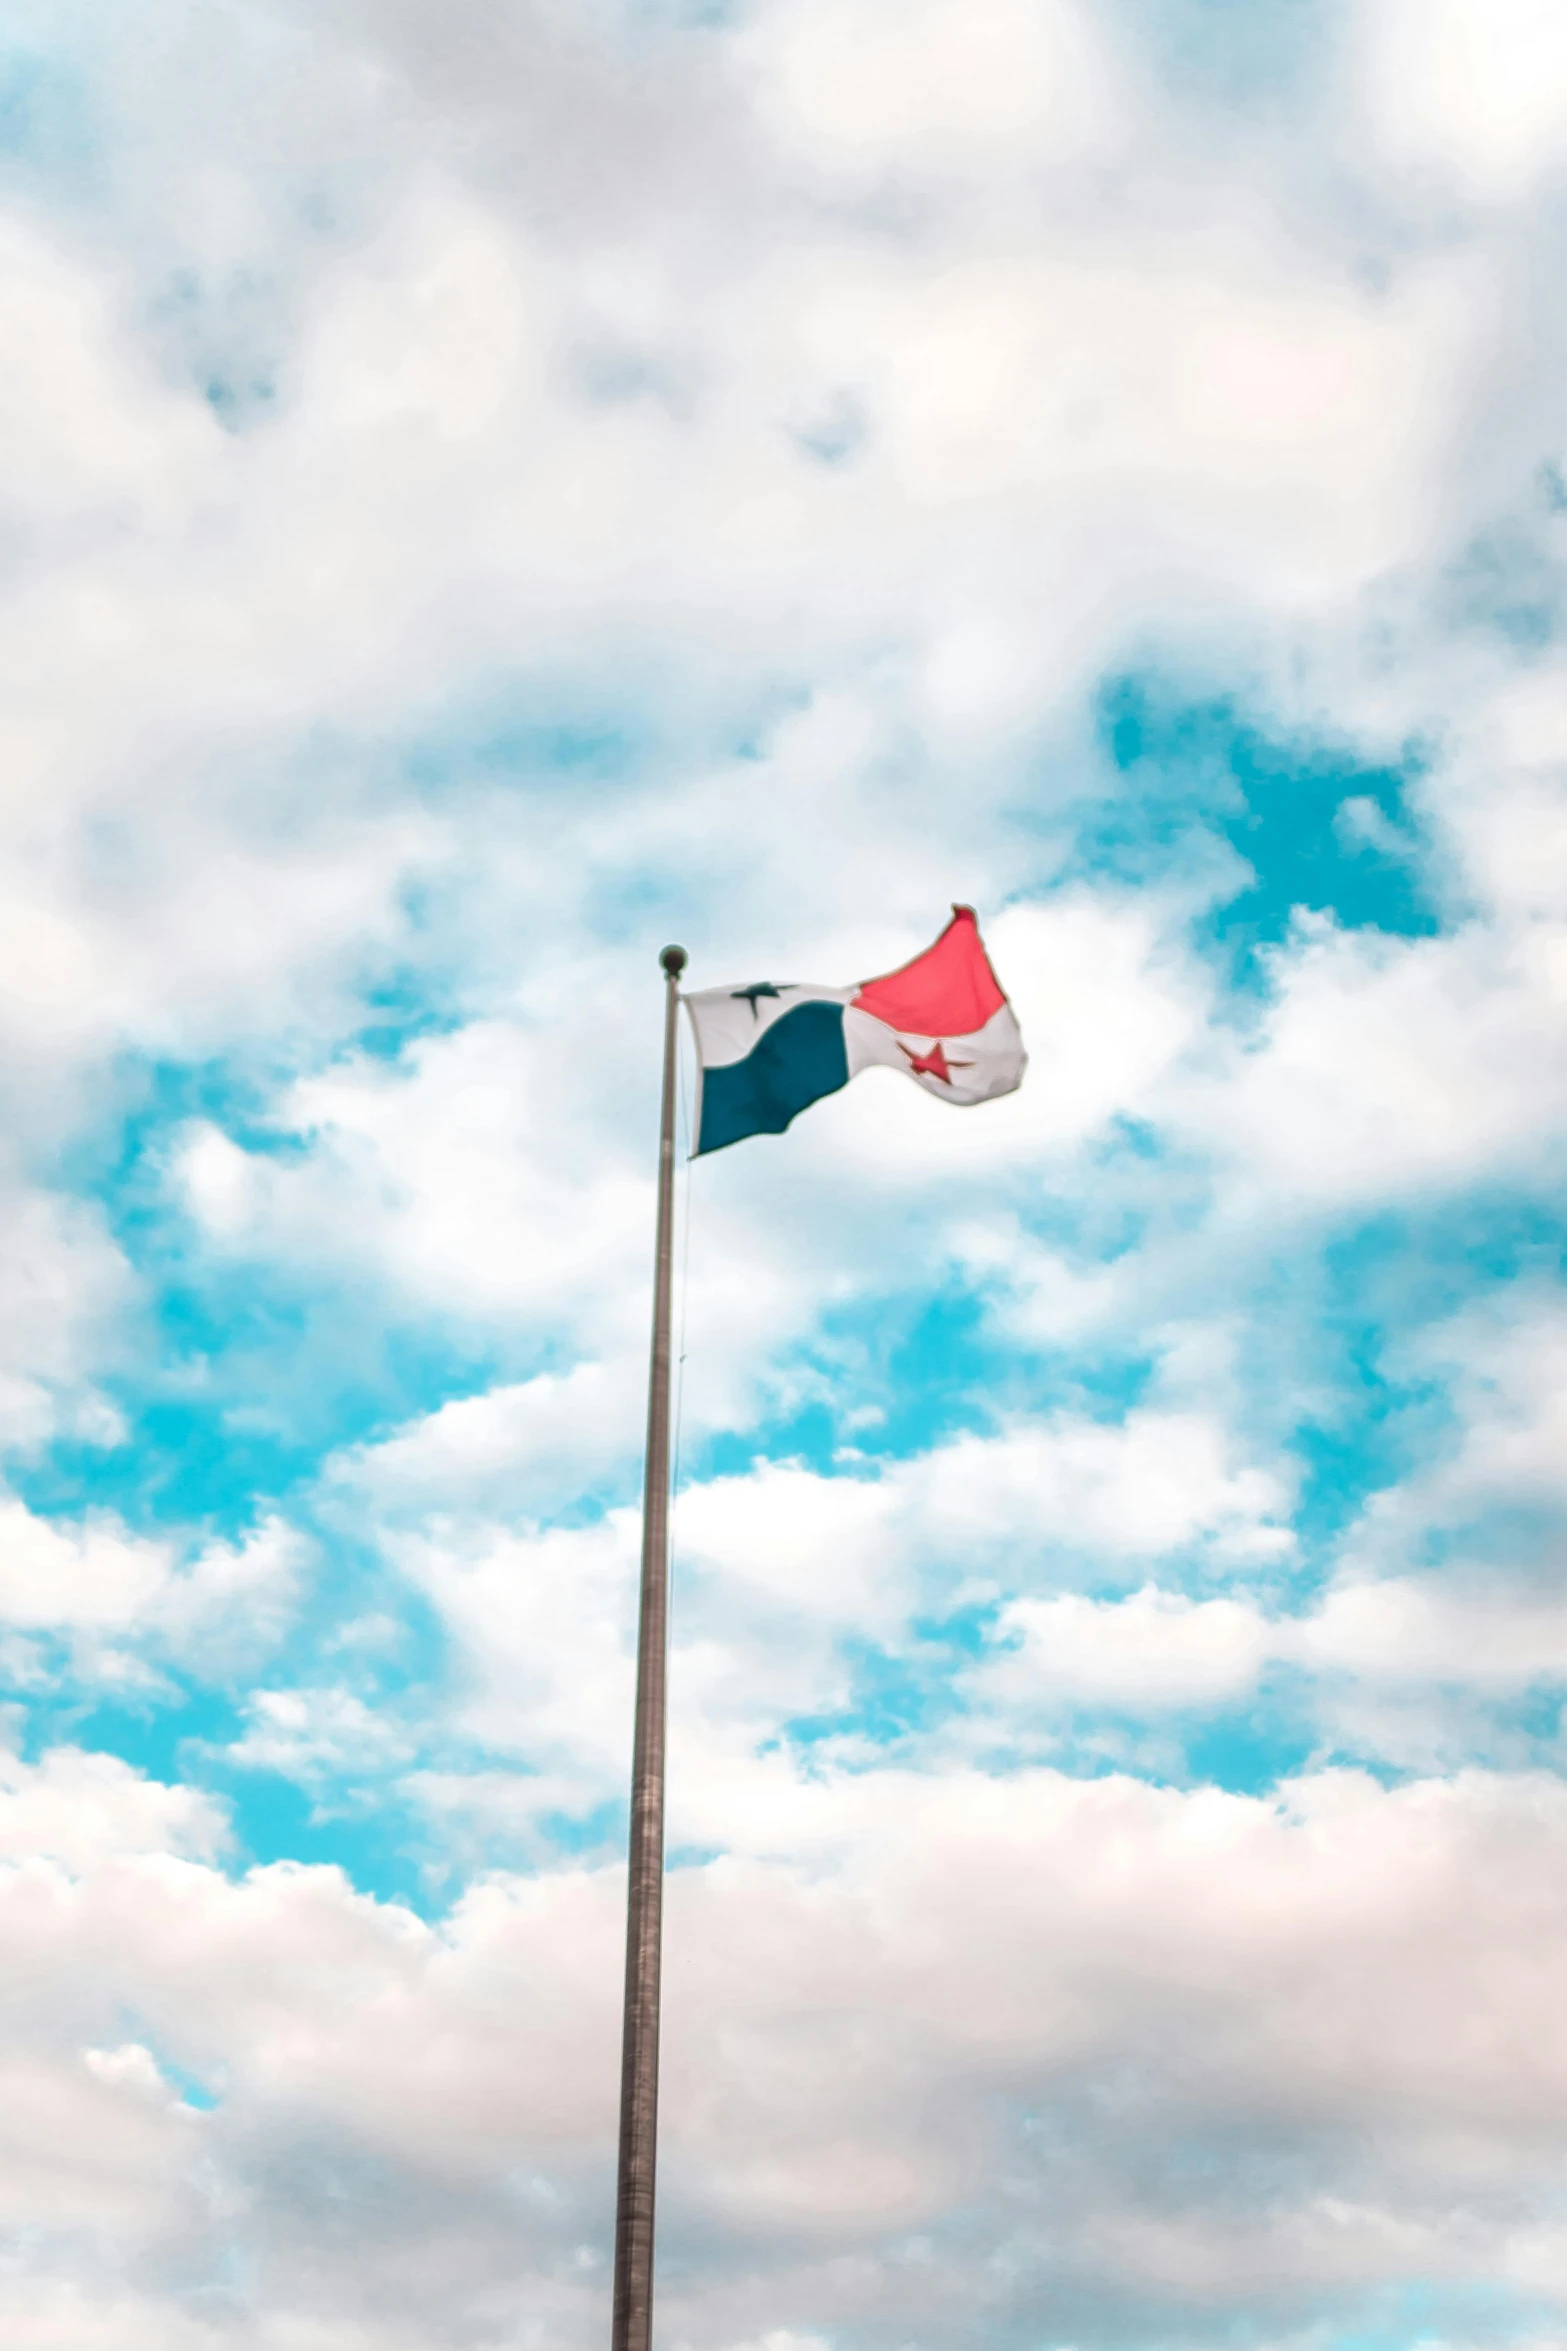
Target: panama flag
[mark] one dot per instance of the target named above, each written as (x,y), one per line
(768,1052)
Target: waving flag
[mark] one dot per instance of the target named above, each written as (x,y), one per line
(767,1052)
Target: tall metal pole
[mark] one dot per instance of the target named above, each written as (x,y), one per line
(645,1887)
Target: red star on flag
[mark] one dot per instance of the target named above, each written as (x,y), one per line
(935,1061)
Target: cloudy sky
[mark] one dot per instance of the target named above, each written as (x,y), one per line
(486,487)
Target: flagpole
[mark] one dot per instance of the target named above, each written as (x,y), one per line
(645,1875)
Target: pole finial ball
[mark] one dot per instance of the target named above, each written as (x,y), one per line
(674,961)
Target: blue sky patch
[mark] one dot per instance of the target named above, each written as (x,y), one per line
(1309,825)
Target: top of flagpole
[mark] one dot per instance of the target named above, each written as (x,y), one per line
(674,960)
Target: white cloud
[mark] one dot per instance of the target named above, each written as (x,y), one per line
(1390,1066)
(1142,1488)
(1484,1501)
(1408,1630)
(1153,1650)
(855,2041)
(542,1627)
(86,428)
(506,1445)
(1403,1667)
(81,1809)
(63,1287)
(96,1577)
(317,1734)
(1505,1366)
(873,84)
(782,2339)
(117,1595)
(442,1165)
(781,1576)
(430,332)
(1480,90)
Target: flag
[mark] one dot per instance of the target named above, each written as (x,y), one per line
(766,1052)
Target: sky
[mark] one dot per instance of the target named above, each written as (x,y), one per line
(488,488)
